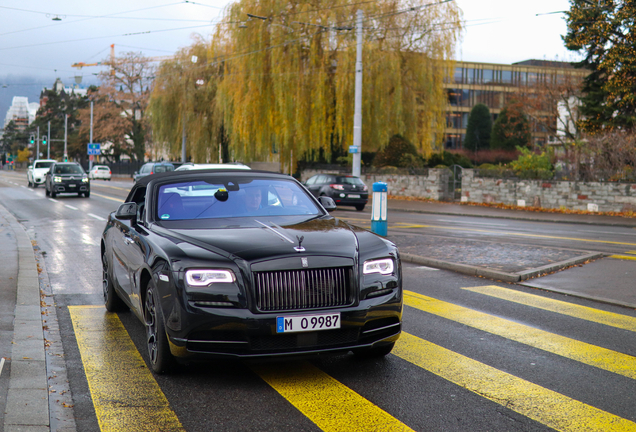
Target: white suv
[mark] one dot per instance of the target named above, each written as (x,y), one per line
(36,173)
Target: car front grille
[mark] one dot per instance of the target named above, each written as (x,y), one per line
(303,289)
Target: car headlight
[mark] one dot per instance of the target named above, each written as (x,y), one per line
(382,266)
(85,179)
(57,179)
(205,277)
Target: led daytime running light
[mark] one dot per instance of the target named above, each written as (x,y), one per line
(382,266)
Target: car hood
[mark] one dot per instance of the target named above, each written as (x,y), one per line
(330,237)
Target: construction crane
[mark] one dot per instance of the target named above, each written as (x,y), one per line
(80,65)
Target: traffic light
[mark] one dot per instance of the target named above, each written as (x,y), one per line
(44,140)
(32,138)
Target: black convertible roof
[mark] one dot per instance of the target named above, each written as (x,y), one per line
(193,174)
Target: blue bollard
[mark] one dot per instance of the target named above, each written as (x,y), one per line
(379,224)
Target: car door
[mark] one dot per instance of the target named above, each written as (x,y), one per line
(313,184)
(125,258)
(136,246)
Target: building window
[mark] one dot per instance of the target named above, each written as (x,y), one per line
(488,76)
(506,77)
(453,141)
(458,75)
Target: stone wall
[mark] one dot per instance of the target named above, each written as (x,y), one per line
(594,196)
(433,186)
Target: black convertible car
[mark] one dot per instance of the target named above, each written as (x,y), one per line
(220,263)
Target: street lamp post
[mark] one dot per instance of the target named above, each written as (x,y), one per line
(357,117)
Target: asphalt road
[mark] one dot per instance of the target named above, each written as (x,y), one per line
(476,354)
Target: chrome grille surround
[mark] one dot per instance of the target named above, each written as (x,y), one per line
(303,289)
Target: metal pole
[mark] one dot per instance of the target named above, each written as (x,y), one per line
(357,117)
(183,142)
(48,143)
(90,161)
(65,135)
(37,146)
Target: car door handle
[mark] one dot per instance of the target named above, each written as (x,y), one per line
(128,240)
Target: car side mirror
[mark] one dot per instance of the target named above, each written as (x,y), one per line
(127,211)
(327,202)
(30,166)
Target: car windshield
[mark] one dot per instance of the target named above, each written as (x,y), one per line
(349,180)
(220,199)
(43,164)
(68,169)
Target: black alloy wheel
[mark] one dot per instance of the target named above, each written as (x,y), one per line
(161,360)
(360,207)
(111,299)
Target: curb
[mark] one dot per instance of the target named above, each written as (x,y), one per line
(495,274)
(27,405)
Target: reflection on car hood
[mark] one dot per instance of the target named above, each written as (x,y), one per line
(319,237)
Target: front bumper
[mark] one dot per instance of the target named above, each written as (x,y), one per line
(216,332)
(71,187)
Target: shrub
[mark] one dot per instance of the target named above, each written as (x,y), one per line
(447,159)
(479,128)
(399,152)
(531,165)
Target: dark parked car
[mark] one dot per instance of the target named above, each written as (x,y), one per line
(345,190)
(152,168)
(65,178)
(241,263)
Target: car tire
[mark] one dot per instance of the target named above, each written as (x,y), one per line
(52,194)
(46,191)
(374,352)
(360,207)
(28,182)
(87,194)
(161,359)
(112,301)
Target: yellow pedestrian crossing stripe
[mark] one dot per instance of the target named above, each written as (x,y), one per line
(623,257)
(325,401)
(592,355)
(125,395)
(538,403)
(577,311)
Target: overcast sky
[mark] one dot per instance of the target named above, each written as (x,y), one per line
(41,39)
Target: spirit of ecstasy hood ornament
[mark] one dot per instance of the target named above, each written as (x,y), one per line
(300,247)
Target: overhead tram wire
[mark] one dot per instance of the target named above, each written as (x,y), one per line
(79,20)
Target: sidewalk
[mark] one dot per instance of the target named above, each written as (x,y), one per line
(454,209)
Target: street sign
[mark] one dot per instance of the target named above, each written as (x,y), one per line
(353,149)
(94,149)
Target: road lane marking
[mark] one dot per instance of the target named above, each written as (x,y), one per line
(531,400)
(623,257)
(70,206)
(53,200)
(631,252)
(582,352)
(125,395)
(515,234)
(322,399)
(96,217)
(107,197)
(468,223)
(607,232)
(1,364)
(564,308)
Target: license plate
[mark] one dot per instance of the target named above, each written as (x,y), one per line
(305,323)
(72,185)
(354,196)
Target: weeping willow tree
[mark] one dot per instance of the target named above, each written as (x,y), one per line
(280,78)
